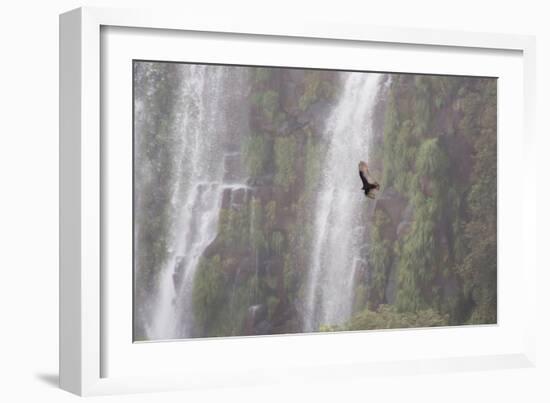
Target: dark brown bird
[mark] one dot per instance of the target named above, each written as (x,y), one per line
(369,185)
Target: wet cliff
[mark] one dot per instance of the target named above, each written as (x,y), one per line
(432,258)
(249,218)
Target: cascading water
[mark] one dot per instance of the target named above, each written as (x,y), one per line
(203,136)
(191,123)
(337,232)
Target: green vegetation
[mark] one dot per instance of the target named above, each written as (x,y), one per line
(316,88)
(312,168)
(479,267)
(208,290)
(285,156)
(387,317)
(277,242)
(431,238)
(436,128)
(262,75)
(380,259)
(256,153)
(420,253)
(251,262)
(155,210)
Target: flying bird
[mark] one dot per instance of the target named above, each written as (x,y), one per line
(368,187)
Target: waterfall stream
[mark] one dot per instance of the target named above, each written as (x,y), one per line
(338,242)
(205,127)
(192,123)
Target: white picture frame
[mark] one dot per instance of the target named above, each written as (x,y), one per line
(85,345)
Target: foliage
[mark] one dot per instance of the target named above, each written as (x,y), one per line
(271,213)
(398,149)
(380,258)
(435,148)
(262,74)
(208,290)
(446,261)
(285,156)
(277,242)
(479,268)
(234,228)
(256,154)
(387,317)
(420,263)
(432,161)
(272,303)
(256,236)
(269,104)
(312,164)
(154,169)
(310,92)
(360,297)
(290,276)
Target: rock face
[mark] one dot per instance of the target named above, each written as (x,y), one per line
(248,280)
(256,321)
(391,204)
(249,262)
(404,225)
(391,287)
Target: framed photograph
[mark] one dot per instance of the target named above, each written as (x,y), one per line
(236,199)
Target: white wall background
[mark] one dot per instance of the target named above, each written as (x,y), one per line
(29,201)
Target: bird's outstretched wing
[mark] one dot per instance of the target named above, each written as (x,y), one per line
(363,179)
(369,185)
(364,173)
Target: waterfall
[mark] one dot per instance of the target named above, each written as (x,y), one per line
(191,122)
(205,127)
(338,242)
